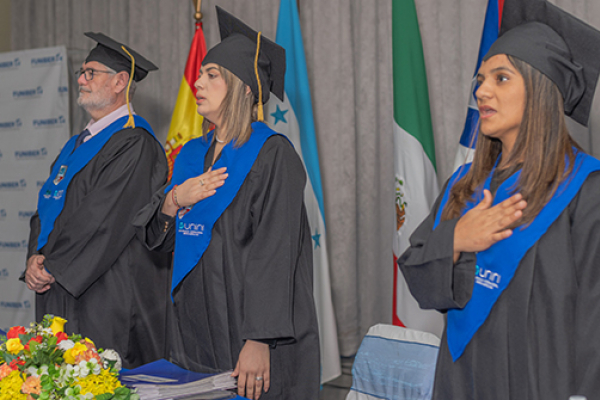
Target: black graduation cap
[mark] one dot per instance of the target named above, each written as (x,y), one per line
(110,53)
(557,44)
(237,53)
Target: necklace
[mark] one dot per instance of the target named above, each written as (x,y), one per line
(219,141)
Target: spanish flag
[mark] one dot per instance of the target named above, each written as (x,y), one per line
(186,124)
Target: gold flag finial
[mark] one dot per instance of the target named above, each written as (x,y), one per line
(198,15)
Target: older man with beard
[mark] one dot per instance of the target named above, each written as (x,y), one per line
(84,261)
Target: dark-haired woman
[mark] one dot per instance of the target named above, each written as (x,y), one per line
(234,216)
(511,250)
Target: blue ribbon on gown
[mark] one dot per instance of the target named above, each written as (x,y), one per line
(51,199)
(193,230)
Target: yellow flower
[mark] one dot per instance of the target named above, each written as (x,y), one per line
(14,346)
(73,352)
(105,382)
(10,387)
(58,325)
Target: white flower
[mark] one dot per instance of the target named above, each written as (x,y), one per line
(83,369)
(37,372)
(66,345)
(111,355)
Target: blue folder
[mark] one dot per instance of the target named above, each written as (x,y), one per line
(165,369)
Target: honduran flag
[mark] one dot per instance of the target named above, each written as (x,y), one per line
(416,185)
(294,118)
(491,28)
(186,123)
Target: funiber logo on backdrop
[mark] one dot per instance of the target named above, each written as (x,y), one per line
(13,185)
(11,64)
(15,305)
(28,93)
(45,61)
(14,246)
(49,122)
(33,154)
(15,124)
(26,215)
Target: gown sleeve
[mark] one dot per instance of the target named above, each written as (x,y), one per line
(96,229)
(428,267)
(274,280)
(34,232)
(585,231)
(155,229)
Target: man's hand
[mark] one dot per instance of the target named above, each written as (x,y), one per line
(36,276)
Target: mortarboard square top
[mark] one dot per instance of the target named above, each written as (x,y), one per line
(109,52)
(557,44)
(237,52)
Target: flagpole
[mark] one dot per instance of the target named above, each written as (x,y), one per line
(198,15)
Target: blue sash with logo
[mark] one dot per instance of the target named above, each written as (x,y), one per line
(497,265)
(194,228)
(51,199)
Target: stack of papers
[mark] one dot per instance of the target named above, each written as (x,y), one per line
(162,380)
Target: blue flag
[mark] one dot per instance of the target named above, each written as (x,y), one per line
(294,118)
(468,138)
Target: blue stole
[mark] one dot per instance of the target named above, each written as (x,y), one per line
(51,199)
(497,265)
(194,228)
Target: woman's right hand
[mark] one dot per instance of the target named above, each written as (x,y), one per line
(483,225)
(194,190)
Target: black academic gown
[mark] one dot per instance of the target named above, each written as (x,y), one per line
(542,338)
(108,286)
(255,279)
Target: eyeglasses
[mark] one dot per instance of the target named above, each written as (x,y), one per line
(90,72)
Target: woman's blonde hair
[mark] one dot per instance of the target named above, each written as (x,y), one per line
(541,150)
(238,110)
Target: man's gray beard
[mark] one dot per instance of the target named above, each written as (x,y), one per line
(93,102)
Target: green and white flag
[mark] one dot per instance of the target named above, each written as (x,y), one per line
(414,161)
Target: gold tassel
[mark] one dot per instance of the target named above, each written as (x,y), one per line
(130,122)
(261,116)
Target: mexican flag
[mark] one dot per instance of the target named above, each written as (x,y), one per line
(186,123)
(414,162)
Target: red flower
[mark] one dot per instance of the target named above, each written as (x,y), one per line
(60,336)
(35,339)
(15,363)
(15,331)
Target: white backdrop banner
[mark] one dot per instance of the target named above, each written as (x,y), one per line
(34,125)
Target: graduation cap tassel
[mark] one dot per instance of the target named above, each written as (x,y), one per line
(130,122)
(260,103)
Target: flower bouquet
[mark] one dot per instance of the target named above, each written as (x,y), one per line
(43,362)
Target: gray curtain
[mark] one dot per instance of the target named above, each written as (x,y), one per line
(348,50)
